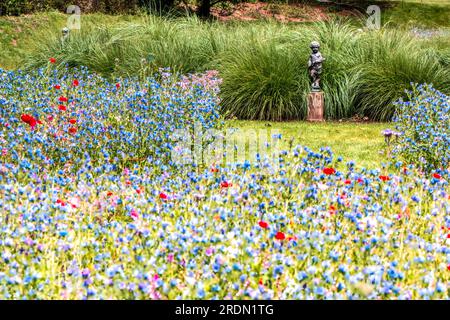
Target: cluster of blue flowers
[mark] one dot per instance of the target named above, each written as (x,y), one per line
(423,122)
(91,210)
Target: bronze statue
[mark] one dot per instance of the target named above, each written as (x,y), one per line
(315,65)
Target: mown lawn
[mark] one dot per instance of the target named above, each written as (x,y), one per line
(361,142)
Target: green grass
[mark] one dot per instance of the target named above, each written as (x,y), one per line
(361,142)
(21,35)
(426,14)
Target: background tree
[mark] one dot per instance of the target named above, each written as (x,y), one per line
(204,8)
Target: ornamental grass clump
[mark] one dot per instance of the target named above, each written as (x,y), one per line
(424,125)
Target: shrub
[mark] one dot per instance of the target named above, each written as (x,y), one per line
(424,124)
(18,7)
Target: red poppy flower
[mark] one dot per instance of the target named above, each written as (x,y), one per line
(52,60)
(384,178)
(75,83)
(117,85)
(57,87)
(292,238)
(263,224)
(72,130)
(62,108)
(280,236)
(347,181)
(138,191)
(50,118)
(329,171)
(163,196)
(448,267)
(73,121)
(437,176)
(332,209)
(26,118)
(63,99)
(225,184)
(109,194)
(29,120)
(260,282)
(360,180)
(214,169)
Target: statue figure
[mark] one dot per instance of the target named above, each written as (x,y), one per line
(65,33)
(315,66)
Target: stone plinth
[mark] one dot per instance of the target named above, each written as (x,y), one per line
(315,106)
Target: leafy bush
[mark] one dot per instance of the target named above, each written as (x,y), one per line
(18,7)
(14,7)
(424,124)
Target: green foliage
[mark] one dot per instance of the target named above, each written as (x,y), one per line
(263,65)
(423,13)
(14,7)
(18,7)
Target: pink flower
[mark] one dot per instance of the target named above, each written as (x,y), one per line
(134,214)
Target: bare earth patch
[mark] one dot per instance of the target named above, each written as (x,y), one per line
(295,12)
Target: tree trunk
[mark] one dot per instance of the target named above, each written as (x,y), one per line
(168,4)
(204,9)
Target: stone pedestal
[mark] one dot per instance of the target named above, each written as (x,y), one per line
(315,106)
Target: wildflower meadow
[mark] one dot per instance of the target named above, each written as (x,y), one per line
(94,206)
(224,150)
